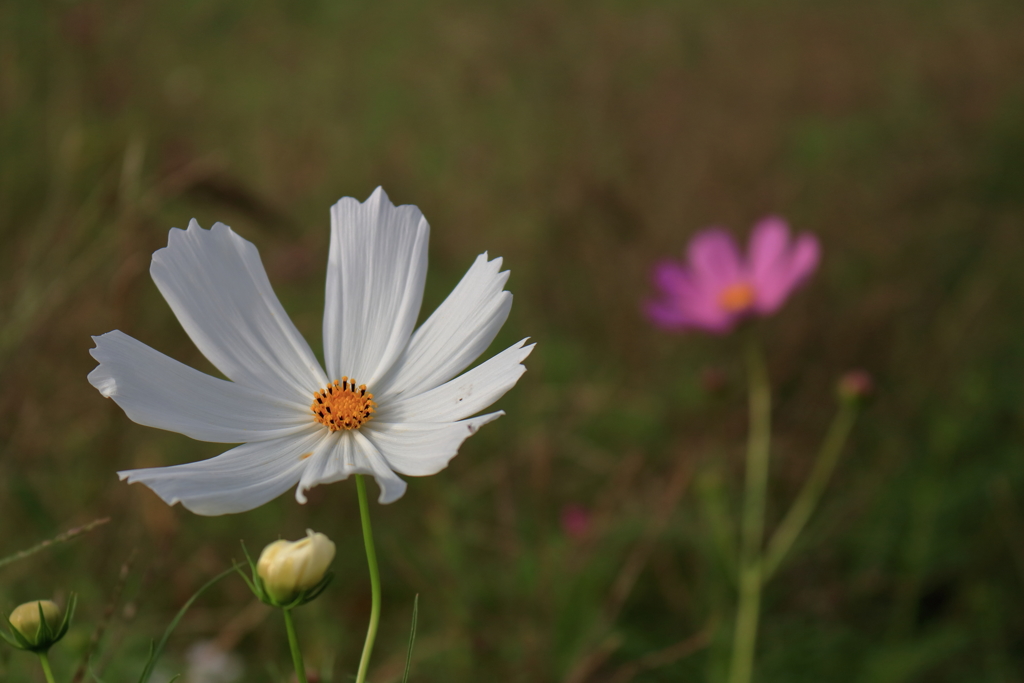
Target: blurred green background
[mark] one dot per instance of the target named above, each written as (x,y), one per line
(581,141)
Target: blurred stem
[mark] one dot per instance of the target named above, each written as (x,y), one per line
(59,538)
(371,560)
(293,643)
(44,660)
(748,609)
(788,531)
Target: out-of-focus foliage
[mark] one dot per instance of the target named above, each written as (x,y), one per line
(581,141)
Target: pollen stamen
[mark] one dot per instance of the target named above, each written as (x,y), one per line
(342,405)
(737,297)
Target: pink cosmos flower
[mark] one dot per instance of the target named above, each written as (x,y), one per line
(717,287)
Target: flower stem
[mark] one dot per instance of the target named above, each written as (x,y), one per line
(791,526)
(748,609)
(293,643)
(371,560)
(748,614)
(44,660)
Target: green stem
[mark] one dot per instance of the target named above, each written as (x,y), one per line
(293,643)
(741,669)
(371,560)
(44,659)
(789,529)
(748,614)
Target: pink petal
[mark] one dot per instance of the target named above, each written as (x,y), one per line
(669,277)
(768,243)
(715,260)
(670,282)
(774,286)
(666,315)
(704,312)
(684,303)
(719,324)
(805,258)
(672,317)
(688,296)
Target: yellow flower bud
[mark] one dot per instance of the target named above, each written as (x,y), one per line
(25,618)
(290,567)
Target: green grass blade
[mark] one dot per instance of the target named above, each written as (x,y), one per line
(412,638)
(59,538)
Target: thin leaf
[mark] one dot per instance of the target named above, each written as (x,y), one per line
(248,558)
(247,580)
(412,637)
(159,649)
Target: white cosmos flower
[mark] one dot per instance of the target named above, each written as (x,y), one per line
(395,405)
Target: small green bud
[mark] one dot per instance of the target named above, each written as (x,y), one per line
(36,626)
(288,568)
(855,385)
(25,618)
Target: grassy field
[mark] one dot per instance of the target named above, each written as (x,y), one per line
(581,142)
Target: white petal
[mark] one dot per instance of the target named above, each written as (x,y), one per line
(215,283)
(455,335)
(419,449)
(392,487)
(157,391)
(240,479)
(463,396)
(375,275)
(344,454)
(333,460)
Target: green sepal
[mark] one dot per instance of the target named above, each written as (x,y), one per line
(18,641)
(43,633)
(311,594)
(69,614)
(308,595)
(256,582)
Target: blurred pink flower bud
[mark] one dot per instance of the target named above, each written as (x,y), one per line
(717,287)
(855,385)
(575,521)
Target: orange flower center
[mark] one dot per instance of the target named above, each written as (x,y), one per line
(343,405)
(736,297)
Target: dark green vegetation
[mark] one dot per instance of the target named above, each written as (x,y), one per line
(581,142)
